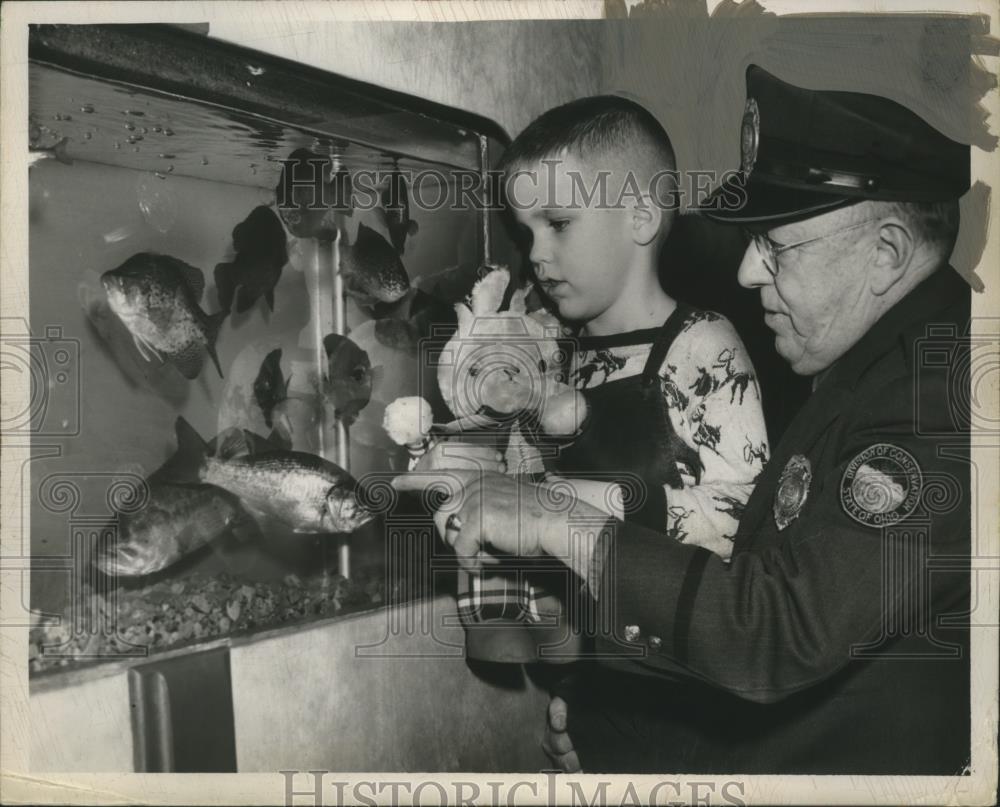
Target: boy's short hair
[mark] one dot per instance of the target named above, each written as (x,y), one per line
(605,131)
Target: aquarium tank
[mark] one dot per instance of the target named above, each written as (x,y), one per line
(236,264)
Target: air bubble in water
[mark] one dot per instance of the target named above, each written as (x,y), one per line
(158,129)
(135,112)
(204,160)
(130,126)
(156,202)
(88,108)
(87,135)
(168,132)
(118,145)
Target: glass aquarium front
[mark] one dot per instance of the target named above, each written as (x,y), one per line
(231,343)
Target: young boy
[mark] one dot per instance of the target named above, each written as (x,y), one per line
(674,409)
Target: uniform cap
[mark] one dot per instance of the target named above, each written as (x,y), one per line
(803,152)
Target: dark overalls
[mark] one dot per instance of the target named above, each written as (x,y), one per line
(627,439)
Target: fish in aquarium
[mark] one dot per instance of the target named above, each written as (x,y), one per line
(350,377)
(335,191)
(55,152)
(304,492)
(261,253)
(157,297)
(395,200)
(175,521)
(372,270)
(270,387)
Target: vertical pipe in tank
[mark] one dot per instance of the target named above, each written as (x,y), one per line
(339,326)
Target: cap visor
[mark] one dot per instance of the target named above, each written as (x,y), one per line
(742,201)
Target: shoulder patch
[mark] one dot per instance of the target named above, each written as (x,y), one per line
(881,485)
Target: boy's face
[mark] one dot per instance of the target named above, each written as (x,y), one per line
(580,248)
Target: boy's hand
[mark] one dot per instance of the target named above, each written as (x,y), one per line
(446,455)
(557,743)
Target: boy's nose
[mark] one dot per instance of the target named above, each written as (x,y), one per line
(752,272)
(539,256)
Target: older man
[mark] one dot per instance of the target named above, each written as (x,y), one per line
(834,640)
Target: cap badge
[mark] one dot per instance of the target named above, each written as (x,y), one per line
(793,488)
(749,136)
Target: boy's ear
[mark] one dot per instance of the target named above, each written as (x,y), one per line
(645,220)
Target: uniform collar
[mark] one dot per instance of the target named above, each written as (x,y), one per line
(942,288)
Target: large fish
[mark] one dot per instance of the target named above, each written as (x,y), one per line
(372,270)
(261,254)
(157,299)
(305,215)
(304,492)
(395,200)
(175,521)
(349,378)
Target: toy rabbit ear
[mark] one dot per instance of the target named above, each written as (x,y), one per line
(519,301)
(465,318)
(488,293)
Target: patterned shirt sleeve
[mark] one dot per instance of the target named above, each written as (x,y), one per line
(714,403)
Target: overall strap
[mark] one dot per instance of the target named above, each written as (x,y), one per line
(664,339)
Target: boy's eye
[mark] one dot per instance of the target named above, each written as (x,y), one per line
(559,224)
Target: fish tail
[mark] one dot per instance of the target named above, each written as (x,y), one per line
(212,334)
(192,452)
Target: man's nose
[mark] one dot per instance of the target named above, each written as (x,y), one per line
(753,273)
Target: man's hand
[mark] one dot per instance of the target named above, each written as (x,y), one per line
(483,510)
(556,742)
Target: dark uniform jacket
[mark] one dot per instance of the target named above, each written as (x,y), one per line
(835,644)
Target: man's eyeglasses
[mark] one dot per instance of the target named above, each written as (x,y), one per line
(769,249)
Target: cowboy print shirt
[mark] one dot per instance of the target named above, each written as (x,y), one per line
(711,394)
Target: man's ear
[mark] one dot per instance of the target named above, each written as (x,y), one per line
(645,218)
(893,254)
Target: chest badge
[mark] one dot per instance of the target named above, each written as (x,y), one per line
(793,488)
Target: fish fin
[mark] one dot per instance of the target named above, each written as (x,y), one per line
(245,530)
(269,297)
(146,348)
(225,284)
(212,334)
(280,437)
(193,277)
(139,346)
(233,442)
(245,299)
(189,361)
(186,464)
(59,152)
